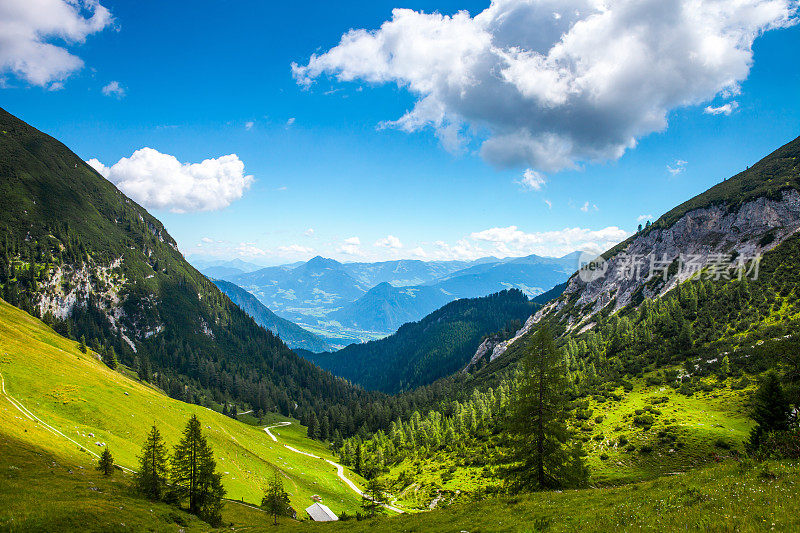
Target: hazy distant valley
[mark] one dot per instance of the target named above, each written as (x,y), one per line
(345,303)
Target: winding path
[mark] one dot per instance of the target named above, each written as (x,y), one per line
(339,468)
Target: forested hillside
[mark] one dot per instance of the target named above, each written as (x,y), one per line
(293,335)
(659,385)
(96,266)
(440,344)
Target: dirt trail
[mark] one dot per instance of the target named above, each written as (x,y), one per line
(339,468)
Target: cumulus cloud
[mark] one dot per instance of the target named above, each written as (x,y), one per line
(533,180)
(290,121)
(309,232)
(725,109)
(160,181)
(249,125)
(511,241)
(295,249)
(34,36)
(552,83)
(677,167)
(114,89)
(351,246)
(390,241)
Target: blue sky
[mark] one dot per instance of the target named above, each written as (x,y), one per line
(201,80)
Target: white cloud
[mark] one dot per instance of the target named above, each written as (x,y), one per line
(249,125)
(160,181)
(533,180)
(419,252)
(725,109)
(585,207)
(290,121)
(249,250)
(549,204)
(642,218)
(35,34)
(678,167)
(207,240)
(114,89)
(511,241)
(390,241)
(295,249)
(351,246)
(552,83)
(309,232)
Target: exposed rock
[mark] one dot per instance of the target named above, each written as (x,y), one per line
(752,229)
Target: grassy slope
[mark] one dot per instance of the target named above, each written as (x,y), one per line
(79,395)
(724,497)
(688,432)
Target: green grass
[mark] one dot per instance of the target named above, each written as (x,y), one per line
(81,397)
(726,497)
(684,434)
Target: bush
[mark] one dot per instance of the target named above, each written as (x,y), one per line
(644,421)
(780,445)
(646,448)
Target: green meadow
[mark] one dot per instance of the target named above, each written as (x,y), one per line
(89,403)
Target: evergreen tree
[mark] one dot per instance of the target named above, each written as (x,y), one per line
(151,479)
(373,498)
(110,358)
(770,409)
(537,431)
(106,462)
(275,500)
(194,474)
(82,344)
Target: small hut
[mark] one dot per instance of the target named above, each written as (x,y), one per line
(321,513)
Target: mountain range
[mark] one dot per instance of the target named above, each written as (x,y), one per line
(352,302)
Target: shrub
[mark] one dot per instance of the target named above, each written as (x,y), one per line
(644,421)
(645,448)
(781,444)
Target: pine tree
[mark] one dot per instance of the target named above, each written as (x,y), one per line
(770,409)
(373,498)
(194,474)
(110,358)
(106,462)
(151,479)
(275,500)
(537,431)
(82,344)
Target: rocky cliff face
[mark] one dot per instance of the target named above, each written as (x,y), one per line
(701,242)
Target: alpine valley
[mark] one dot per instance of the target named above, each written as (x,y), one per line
(618,379)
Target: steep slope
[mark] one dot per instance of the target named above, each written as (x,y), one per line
(532,275)
(421,352)
(404,272)
(52,383)
(304,292)
(75,251)
(730,224)
(293,335)
(384,308)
